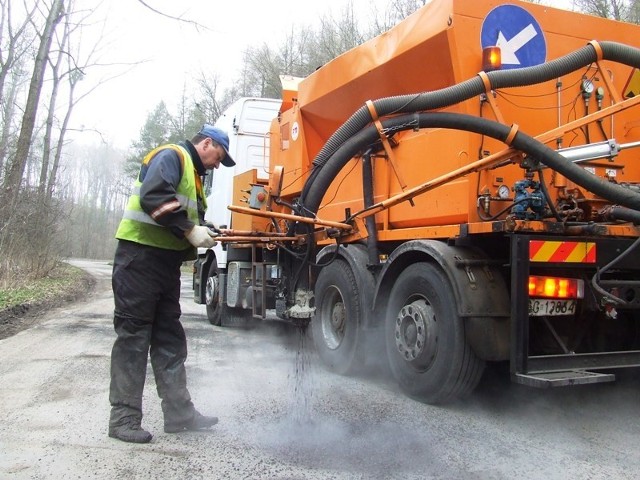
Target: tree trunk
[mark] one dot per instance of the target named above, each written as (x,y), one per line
(13,178)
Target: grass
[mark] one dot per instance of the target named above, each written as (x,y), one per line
(63,280)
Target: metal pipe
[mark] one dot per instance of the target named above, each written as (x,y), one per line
(370,221)
(606,149)
(287,216)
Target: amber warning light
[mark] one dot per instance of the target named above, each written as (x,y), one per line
(555,287)
(491,58)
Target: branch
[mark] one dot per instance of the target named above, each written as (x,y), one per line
(180,19)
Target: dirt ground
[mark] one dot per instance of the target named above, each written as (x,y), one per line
(283,416)
(21,317)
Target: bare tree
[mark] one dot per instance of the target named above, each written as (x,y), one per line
(616,9)
(337,35)
(13,177)
(262,68)
(179,18)
(306,49)
(188,120)
(14,47)
(9,105)
(207,102)
(633,13)
(94,189)
(29,232)
(395,12)
(53,97)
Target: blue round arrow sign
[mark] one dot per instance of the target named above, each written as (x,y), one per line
(517,33)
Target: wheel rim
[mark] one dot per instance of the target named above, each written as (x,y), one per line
(333,318)
(416,334)
(211,292)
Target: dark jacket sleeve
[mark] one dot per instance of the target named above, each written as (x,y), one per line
(160,179)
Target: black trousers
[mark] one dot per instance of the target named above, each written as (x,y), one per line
(146,289)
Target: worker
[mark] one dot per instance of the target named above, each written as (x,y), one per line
(161,227)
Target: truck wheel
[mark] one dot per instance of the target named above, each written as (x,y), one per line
(218,313)
(212,296)
(428,353)
(335,327)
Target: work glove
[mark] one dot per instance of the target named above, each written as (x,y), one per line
(200,236)
(216,228)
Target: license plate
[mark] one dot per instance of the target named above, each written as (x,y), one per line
(545,307)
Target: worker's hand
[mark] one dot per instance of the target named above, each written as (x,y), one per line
(200,236)
(213,226)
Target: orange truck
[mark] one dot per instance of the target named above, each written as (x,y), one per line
(462,189)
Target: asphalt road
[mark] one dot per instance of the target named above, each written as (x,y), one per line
(282,416)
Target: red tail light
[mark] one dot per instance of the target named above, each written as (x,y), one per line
(555,287)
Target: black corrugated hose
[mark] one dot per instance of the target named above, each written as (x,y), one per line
(611,191)
(351,137)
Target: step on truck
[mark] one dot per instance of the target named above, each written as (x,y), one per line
(462,189)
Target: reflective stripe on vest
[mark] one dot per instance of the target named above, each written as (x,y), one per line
(137,226)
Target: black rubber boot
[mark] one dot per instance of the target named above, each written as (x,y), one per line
(130,431)
(197,422)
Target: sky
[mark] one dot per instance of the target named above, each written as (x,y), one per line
(175,53)
(170,54)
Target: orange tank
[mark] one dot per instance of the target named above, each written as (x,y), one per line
(438,46)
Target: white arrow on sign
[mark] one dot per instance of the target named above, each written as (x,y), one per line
(509,48)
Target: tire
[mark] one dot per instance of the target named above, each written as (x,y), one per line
(335,327)
(212,296)
(218,312)
(428,353)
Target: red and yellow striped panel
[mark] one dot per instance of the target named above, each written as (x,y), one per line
(569,252)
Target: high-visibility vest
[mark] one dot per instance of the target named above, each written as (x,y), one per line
(137,226)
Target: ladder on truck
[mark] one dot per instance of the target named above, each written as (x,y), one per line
(259,287)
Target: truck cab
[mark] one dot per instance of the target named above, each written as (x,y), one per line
(247,123)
